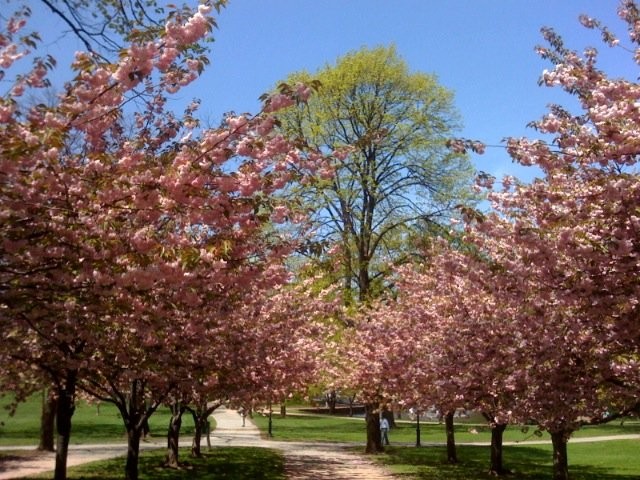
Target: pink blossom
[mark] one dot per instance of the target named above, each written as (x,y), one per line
(277,102)
(193,30)
(279,214)
(237,124)
(587,21)
(6,112)
(10,54)
(136,65)
(302,92)
(15,24)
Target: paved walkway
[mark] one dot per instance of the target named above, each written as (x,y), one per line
(303,460)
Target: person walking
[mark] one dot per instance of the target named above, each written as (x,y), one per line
(384,430)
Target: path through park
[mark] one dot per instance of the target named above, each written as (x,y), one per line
(303,460)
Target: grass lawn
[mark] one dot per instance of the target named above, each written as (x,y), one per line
(324,428)
(616,460)
(91,423)
(239,463)
(613,460)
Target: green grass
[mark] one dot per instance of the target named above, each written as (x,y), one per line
(324,428)
(238,463)
(616,460)
(318,428)
(91,423)
(613,460)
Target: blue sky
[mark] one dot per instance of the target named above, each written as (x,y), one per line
(483,50)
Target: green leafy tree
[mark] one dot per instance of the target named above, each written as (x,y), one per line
(395,174)
(394,178)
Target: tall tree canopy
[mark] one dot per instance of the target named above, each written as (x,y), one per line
(395,172)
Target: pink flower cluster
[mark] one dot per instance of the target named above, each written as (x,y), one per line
(136,65)
(194,29)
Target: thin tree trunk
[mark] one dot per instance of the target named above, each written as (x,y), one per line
(173,435)
(283,410)
(135,416)
(331,398)
(207,426)
(352,399)
(374,439)
(196,451)
(133,453)
(48,422)
(452,456)
(146,429)
(560,460)
(64,411)
(200,416)
(496,467)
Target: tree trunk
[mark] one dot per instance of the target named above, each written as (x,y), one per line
(496,467)
(560,460)
(452,456)
(135,417)
(196,451)
(374,439)
(64,411)
(133,453)
(352,399)
(173,435)
(364,282)
(331,399)
(146,429)
(47,422)
(201,421)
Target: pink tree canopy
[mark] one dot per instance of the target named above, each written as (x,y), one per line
(127,242)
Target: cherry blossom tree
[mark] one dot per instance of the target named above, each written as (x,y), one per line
(128,246)
(576,232)
(427,339)
(563,250)
(266,349)
(453,303)
(552,270)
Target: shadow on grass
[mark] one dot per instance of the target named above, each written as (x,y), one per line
(525,463)
(241,463)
